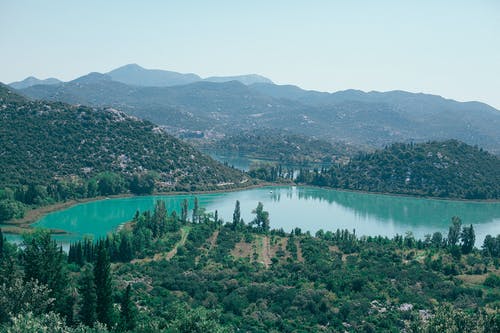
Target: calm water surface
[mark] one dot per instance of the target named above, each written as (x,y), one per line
(289,207)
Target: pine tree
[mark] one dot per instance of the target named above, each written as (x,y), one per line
(102,279)
(87,289)
(127,312)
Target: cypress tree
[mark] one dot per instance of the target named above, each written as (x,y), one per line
(195,210)
(127,312)
(88,294)
(102,279)
(236,215)
(126,252)
(184,211)
(1,243)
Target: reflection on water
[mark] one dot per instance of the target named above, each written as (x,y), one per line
(289,207)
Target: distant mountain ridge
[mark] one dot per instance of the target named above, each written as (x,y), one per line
(135,75)
(32,81)
(216,107)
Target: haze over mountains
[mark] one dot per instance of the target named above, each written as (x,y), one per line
(217,106)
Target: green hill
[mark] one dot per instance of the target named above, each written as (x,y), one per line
(449,169)
(49,149)
(280,146)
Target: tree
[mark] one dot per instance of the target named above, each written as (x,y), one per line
(143,183)
(10,209)
(159,219)
(44,260)
(110,183)
(491,246)
(454,231)
(87,289)
(102,279)
(437,239)
(236,215)
(127,312)
(1,244)
(261,218)
(195,210)
(468,238)
(184,210)
(126,250)
(18,296)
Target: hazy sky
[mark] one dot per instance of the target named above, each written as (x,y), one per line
(450,48)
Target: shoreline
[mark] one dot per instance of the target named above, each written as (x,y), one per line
(20,226)
(24,224)
(403,195)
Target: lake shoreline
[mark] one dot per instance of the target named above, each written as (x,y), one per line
(23,225)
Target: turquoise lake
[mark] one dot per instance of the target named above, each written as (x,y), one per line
(308,208)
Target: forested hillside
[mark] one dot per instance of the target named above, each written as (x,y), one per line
(449,169)
(280,146)
(176,273)
(54,151)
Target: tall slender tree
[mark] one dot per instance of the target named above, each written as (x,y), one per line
(196,210)
(102,279)
(236,215)
(88,304)
(127,312)
(1,244)
(184,210)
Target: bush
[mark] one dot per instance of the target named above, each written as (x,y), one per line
(492,281)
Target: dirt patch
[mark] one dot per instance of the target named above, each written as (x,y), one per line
(300,258)
(472,279)
(213,239)
(243,250)
(334,249)
(265,252)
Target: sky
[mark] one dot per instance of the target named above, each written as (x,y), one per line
(448,47)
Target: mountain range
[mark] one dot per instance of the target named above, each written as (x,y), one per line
(136,75)
(218,106)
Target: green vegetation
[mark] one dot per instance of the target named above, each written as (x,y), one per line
(280,147)
(163,274)
(52,152)
(447,169)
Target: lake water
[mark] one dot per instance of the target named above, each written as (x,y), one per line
(289,207)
